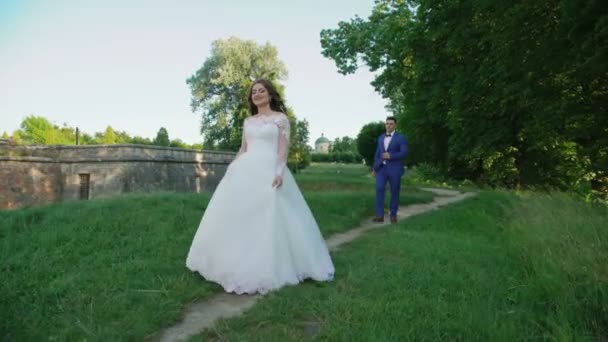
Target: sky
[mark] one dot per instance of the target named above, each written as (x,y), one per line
(90,64)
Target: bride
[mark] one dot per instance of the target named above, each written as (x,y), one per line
(257,233)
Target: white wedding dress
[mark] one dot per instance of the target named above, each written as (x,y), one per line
(254,238)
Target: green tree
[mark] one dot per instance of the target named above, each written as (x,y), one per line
(18,137)
(367,140)
(344,145)
(122,137)
(98,138)
(299,151)
(507,93)
(109,136)
(220,87)
(5,135)
(65,135)
(162,137)
(86,139)
(37,130)
(178,143)
(140,140)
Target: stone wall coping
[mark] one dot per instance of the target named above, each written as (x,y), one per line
(113,153)
(114,160)
(114,146)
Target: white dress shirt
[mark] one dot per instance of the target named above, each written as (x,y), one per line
(387,140)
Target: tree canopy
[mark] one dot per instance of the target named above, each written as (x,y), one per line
(220,88)
(507,93)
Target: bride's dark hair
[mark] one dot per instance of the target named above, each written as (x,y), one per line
(276,103)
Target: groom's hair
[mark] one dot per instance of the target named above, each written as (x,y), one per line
(391,118)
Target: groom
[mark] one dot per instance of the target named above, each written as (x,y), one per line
(388,167)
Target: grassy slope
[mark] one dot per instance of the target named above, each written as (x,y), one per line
(114,269)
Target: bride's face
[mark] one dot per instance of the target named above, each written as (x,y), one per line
(259,95)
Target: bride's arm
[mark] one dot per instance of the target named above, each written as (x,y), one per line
(283,149)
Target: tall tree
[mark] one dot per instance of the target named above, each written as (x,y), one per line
(505,92)
(299,152)
(109,136)
(367,140)
(37,130)
(17,137)
(162,137)
(219,88)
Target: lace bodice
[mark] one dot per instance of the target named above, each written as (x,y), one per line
(267,134)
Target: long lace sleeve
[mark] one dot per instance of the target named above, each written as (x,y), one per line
(283,150)
(243,148)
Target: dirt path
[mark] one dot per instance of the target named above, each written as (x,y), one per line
(203,314)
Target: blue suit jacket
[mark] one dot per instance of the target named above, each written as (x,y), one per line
(397,150)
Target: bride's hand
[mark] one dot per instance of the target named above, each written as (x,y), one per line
(277,182)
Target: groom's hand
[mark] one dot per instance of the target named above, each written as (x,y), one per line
(385,155)
(277,182)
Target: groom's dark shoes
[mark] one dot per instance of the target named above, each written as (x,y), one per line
(379,219)
(393,219)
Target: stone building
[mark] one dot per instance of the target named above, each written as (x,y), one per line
(37,175)
(322,144)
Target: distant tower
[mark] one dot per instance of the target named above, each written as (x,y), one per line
(322,144)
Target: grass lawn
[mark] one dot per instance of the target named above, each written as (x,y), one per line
(497,267)
(114,269)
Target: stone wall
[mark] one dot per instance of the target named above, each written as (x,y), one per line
(28,182)
(36,175)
